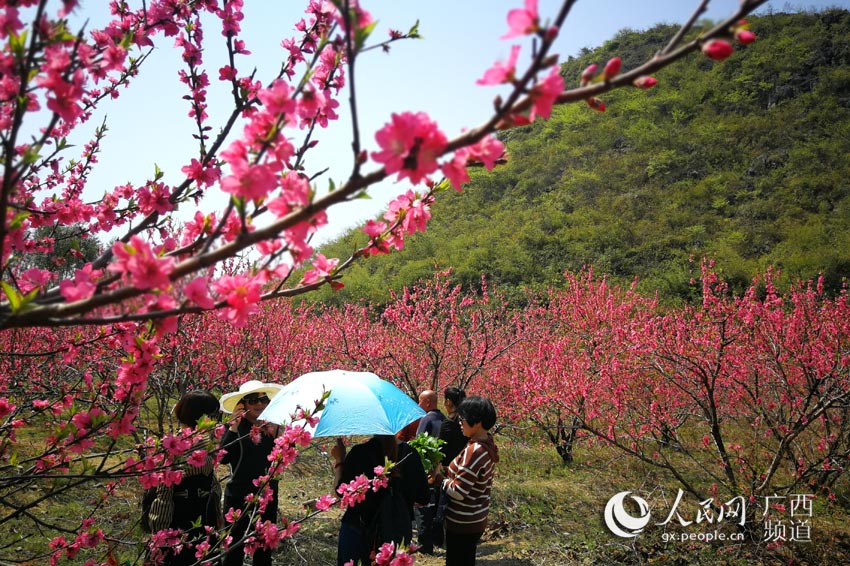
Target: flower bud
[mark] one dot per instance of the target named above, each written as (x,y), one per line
(588,73)
(549,61)
(717,49)
(645,82)
(745,36)
(596,103)
(612,67)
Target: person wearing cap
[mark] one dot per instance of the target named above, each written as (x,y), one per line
(248,461)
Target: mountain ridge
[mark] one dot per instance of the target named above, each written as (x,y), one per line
(742,161)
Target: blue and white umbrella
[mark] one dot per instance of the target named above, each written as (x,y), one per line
(360,403)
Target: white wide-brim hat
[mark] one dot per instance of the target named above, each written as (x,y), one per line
(229,401)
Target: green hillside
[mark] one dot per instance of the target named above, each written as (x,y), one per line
(745,161)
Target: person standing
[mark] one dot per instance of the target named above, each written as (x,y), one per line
(197,498)
(408,433)
(468,482)
(247,444)
(407,477)
(453,442)
(450,430)
(429,424)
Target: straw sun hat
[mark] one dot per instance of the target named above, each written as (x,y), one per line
(230,400)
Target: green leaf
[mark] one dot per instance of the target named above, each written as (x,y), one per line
(15,299)
(61,33)
(31,155)
(18,220)
(362,34)
(429,451)
(442,186)
(17,44)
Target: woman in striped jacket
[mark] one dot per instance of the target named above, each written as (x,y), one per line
(468,482)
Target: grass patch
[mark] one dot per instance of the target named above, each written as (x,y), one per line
(546,513)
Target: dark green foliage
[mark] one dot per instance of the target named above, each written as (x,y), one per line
(72,248)
(745,161)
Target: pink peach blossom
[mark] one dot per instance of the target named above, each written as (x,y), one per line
(251,182)
(488,150)
(145,269)
(410,145)
(546,92)
(523,21)
(197,292)
(83,286)
(501,72)
(202,175)
(325,502)
(197,458)
(455,170)
(322,267)
(242,295)
(374,228)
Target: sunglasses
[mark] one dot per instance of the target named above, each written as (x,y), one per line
(255,399)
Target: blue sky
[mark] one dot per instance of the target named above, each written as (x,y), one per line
(148,124)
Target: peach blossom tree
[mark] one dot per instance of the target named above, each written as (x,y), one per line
(739,396)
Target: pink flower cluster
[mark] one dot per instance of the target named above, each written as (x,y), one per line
(390,555)
(411,146)
(144,267)
(242,293)
(355,491)
(88,537)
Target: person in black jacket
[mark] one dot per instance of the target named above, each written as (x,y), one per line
(248,461)
(450,430)
(198,495)
(430,424)
(452,434)
(408,477)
